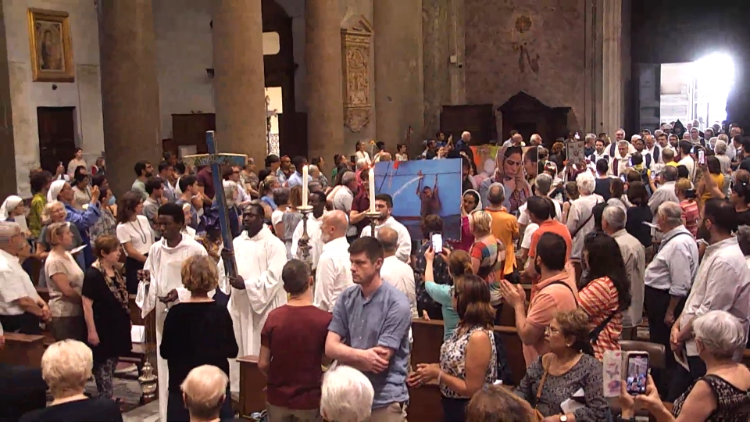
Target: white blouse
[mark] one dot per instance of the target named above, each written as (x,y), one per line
(138,233)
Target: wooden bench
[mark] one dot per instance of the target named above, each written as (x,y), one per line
(23,350)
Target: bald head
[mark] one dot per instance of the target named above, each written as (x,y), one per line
(389,239)
(334,225)
(204,392)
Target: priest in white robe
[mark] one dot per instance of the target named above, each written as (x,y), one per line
(318,203)
(163,286)
(258,288)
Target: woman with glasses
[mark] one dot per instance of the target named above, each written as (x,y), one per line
(135,235)
(468,359)
(557,376)
(605,291)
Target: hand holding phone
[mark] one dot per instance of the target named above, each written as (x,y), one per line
(437,242)
(636,377)
(701,157)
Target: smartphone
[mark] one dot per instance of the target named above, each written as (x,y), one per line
(637,374)
(623,178)
(630,162)
(701,157)
(437,242)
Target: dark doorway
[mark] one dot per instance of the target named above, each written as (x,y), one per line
(56,136)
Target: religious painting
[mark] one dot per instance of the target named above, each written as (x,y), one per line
(51,46)
(484,162)
(575,153)
(420,188)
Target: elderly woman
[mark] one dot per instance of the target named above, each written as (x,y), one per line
(723,394)
(558,375)
(468,359)
(65,281)
(721,153)
(497,404)
(192,324)
(54,212)
(204,393)
(580,220)
(346,395)
(318,176)
(66,366)
(135,235)
(105,308)
(84,220)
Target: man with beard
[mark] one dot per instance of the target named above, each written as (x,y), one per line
(161,279)
(599,153)
(722,283)
(143,170)
(428,197)
(333,274)
(384,206)
(318,202)
(258,289)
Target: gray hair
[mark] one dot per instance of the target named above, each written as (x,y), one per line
(66,366)
(361,163)
(346,395)
(496,194)
(543,184)
(720,147)
(625,142)
(348,177)
(720,333)
(586,183)
(8,230)
(670,173)
(671,212)
(388,238)
(281,196)
(615,218)
(204,387)
(590,136)
(312,167)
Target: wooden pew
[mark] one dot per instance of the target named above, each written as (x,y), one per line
(252,387)
(23,350)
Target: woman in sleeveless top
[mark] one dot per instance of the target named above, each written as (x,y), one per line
(723,394)
(468,359)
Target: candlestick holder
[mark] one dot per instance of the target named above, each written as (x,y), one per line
(304,241)
(373,216)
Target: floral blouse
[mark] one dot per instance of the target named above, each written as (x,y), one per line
(453,358)
(107,224)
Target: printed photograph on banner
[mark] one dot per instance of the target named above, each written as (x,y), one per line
(421,188)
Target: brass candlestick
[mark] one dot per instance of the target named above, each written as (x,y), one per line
(304,241)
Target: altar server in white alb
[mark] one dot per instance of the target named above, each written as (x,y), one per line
(258,289)
(162,286)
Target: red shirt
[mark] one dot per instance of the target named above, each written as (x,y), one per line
(206,179)
(551,226)
(296,337)
(361,203)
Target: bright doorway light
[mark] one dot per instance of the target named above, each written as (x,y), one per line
(714,77)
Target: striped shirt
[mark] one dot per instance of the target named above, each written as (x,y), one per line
(599,299)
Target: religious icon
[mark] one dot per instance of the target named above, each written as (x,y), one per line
(51,49)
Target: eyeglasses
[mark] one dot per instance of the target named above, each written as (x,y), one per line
(550,331)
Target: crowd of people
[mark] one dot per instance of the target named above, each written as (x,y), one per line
(654,226)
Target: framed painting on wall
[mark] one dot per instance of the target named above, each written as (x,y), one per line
(51,46)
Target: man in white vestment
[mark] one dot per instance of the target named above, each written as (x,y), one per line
(384,205)
(334,272)
(163,281)
(318,203)
(258,289)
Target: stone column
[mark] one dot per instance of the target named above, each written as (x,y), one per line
(612,82)
(399,77)
(437,52)
(325,107)
(130,89)
(239,84)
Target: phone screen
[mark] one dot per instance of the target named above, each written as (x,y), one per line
(623,178)
(637,373)
(701,157)
(437,242)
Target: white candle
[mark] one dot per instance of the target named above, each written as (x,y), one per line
(304,186)
(372,189)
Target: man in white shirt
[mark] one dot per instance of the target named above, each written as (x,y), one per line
(384,206)
(258,289)
(543,184)
(333,274)
(620,160)
(685,147)
(620,136)
(599,152)
(396,272)
(21,308)
(162,279)
(722,283)
(318,202)
(344,197)
(514,141)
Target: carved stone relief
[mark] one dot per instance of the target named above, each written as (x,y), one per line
(356,42)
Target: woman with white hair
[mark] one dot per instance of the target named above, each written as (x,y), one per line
(580,220)
(66,366)
(347,395)
(54,212)
(723,394)
(204,393)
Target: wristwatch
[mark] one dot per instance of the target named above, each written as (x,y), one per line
(563,418)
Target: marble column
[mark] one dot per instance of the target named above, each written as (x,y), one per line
(399,77)
(612,82)
(325,107)
(130,89)
(437,52)
(239,84)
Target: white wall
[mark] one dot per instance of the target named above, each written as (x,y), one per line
(84,94)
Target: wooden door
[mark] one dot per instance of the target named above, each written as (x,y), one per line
(56,136)
(190,129)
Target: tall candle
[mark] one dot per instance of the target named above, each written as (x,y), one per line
(304,186)
(372,189)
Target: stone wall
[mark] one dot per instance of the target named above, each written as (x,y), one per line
(536,46)
(84,94)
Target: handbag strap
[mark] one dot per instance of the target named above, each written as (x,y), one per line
(541,386)
(575,232)
(594,335)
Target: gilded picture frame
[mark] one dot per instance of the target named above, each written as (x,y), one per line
(51,46)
